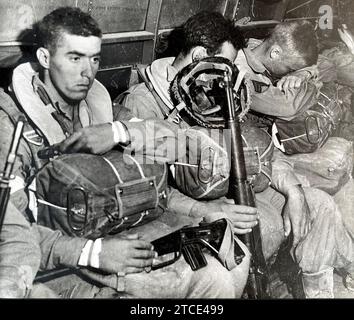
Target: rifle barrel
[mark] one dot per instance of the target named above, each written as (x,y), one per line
(242,194)
(9,166)
(4,199)
(13,149)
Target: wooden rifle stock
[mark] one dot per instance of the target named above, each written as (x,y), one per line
(9,165)
(242,193)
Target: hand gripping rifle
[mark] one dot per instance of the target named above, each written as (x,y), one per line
(242,194)
(9,165)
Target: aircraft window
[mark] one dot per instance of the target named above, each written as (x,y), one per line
(182,10)
(119,15)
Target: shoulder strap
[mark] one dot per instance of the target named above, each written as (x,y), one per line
(176,115)
(140,69)
(9,106)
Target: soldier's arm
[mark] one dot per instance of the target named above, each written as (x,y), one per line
(142,103)
(283,176)
(286,104)
(20,254)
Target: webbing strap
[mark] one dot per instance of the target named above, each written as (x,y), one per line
(114,169)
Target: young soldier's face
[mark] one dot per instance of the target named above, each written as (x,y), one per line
(74,64)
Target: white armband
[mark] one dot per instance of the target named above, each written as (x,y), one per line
(94,260)
(119,134)
(85,254)
(90,254)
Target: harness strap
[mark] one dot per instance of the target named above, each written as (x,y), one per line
(163,107)
(138,165)
(114,169)
(49,204)
(175,115)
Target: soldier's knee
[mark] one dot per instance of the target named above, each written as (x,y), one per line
(215,281)
(322,205)
(233,281)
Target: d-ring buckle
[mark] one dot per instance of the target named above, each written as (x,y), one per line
(210,156)
(81,211)
(308,129)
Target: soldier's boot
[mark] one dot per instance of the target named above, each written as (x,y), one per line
(318,285)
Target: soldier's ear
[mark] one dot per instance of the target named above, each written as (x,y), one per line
(43,57)
(275,52)
(199,53)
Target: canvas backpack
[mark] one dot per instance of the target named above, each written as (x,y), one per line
(310,130)
(95,195)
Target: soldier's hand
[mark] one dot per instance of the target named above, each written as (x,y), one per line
(97,139)
(290,82)
(243,218)
(296,215)
(241,22)
(126,254)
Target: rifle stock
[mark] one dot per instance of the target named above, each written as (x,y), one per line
(9,165)
(242,194)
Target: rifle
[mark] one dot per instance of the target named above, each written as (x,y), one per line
(190,241)
(242,193)
(9,165)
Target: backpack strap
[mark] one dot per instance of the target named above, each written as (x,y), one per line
(9,107)
(175,115)
(141,70)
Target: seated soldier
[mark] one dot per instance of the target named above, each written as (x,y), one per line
(336,65)
(60,97)
(286,83)
(20,253)
(277,67)
(207,34)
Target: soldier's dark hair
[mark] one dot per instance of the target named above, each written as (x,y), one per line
(64,19)
(297,38)
(210,30)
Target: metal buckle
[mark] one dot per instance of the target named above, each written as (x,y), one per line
(308,129)
(211,157)
(142,215)
(73,212)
